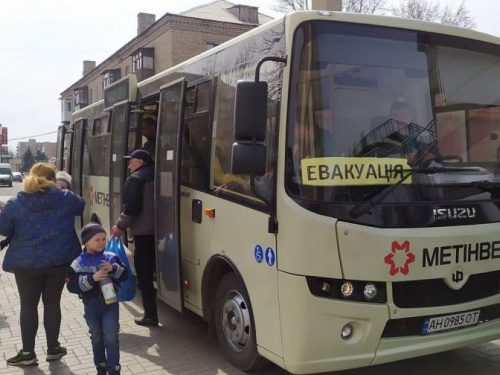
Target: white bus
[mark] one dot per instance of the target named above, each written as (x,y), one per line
(295,212)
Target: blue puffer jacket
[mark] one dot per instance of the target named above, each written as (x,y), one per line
(41,227)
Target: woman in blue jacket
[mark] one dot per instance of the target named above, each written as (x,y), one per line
(43,243)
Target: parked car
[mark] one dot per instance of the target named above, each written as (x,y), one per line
(17,176)
(5,174)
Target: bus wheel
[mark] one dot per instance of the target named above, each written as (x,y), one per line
(234,325)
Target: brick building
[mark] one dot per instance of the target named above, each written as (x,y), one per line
(159,45)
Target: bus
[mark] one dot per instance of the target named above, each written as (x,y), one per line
(304,221)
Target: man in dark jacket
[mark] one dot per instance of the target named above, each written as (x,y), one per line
(138,216)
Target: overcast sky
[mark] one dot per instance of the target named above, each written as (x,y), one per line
(44,42)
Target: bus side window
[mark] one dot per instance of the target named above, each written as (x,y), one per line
(222,180)
(96,128)
(196,136)
(194,151)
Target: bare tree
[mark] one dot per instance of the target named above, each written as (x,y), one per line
(355,6)
(363,6)
(286,6)
(427,10)
(461,17)
(417,9)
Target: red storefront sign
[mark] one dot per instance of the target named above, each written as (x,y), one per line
(4,136)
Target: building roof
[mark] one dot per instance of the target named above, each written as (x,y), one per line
(217,11)
(214,11)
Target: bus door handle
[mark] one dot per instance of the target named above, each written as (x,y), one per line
(196,210)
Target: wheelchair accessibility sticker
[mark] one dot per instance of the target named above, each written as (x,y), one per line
(269,255)
(258,253)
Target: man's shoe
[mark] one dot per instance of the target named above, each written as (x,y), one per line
(56,353)
(144,321)
(22,359)
(101,369)
(115,370)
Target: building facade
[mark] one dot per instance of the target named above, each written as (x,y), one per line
(159,45)
(49,148)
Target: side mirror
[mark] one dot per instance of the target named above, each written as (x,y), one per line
(250,111)
(248,158)
(250,114)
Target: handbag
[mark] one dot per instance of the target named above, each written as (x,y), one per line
(126,291)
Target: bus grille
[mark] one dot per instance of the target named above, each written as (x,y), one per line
(414,326)
(434,292)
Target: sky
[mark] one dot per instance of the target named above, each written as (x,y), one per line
(43,44)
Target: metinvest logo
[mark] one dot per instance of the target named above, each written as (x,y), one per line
(400,258)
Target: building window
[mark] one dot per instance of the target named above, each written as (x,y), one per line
(81,97)
(211,45)
(67,108)
(143,58)
(110,76)
(96,127)
(136,61)
(143,63)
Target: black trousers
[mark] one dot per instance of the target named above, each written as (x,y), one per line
(48,284)
(145,267)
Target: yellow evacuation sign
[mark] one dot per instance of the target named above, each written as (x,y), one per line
(354,171)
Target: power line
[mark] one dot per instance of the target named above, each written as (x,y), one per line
(55,51)
(32,136)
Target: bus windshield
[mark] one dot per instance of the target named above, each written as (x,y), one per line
(370,104)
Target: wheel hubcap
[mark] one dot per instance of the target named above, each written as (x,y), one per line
(236,321)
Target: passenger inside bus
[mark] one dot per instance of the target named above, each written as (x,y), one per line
(402,114)
(224,179)
(399,135)
(148,131)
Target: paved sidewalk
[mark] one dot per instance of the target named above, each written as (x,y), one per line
(180,345)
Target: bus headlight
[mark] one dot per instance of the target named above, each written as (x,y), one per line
(325,287)
(347,289)
(347,332)
(370,291)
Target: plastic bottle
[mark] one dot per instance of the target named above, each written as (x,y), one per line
(108,290)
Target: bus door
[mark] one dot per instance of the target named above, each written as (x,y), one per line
(75,168)
(167,194)
(119,131)
(132,137)
(60,154)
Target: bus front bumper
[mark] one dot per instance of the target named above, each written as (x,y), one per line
(311,332)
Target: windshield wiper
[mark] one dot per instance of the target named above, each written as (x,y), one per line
(483,184)
(367,205)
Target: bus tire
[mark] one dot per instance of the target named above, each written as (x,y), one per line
(234,325)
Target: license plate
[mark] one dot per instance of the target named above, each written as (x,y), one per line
(453,321)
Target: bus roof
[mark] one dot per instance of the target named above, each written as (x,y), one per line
(293,19)
(81,112)
(410,24)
